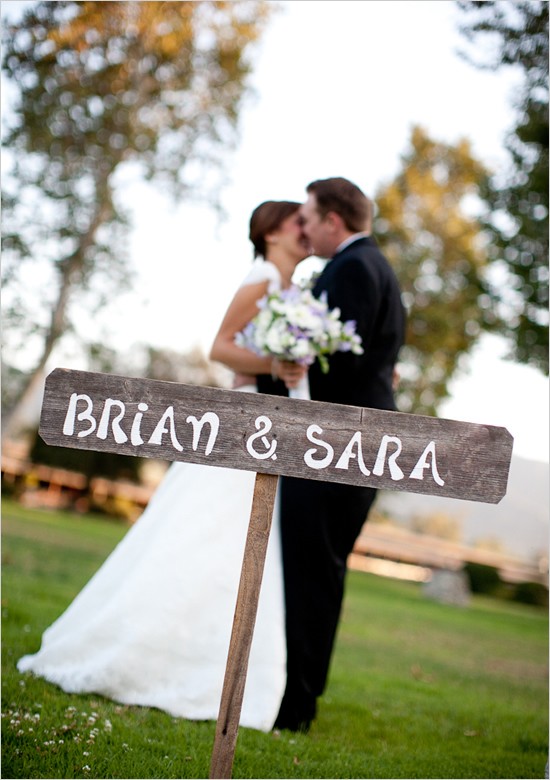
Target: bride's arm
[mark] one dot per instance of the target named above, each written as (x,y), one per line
(241,310)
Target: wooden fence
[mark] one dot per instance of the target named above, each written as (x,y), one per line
(40,485)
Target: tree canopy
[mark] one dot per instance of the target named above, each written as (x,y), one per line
(102,86)
(518,36)
(429,226)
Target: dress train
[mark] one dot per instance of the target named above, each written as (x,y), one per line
(152,627)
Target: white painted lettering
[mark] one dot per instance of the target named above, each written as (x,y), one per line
(86,414)
(308,457)
(161,429)
(395,472)
(135,433)
(103,427)
(422,465)
(214,422)
(348,453)
(263,425)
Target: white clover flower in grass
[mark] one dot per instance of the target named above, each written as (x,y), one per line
(294,325)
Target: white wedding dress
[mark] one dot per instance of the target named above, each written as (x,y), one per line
(152,626)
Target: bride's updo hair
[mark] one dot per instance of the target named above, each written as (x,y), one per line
(266,218)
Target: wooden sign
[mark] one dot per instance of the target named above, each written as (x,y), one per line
(276,435)
(271,436)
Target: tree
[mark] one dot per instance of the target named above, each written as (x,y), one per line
(190,368)
(439,252)
(103,88)
(519,33)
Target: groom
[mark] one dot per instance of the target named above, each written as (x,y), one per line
(320,521)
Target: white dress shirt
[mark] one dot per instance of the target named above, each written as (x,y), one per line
(350,240)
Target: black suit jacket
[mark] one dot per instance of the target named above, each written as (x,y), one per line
(321,520)
(361,283)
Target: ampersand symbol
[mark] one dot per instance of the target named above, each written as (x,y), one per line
(263,425)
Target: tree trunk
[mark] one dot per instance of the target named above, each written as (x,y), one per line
(70,268)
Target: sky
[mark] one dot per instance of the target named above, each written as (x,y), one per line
(338,86)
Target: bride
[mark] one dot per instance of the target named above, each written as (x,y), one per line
(152,626)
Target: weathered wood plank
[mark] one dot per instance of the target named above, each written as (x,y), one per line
(274,435)
(227,726)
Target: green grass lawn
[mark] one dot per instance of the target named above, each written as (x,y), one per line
(417,689)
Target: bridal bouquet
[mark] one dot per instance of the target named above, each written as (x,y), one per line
(294,325)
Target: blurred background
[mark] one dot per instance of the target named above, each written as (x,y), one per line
(138,138)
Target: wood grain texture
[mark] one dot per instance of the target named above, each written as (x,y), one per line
(257,538)
(275,435)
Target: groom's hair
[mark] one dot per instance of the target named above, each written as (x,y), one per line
(344,198)
(266,218)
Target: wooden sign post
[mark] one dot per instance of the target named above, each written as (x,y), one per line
(272,436)
(227,725)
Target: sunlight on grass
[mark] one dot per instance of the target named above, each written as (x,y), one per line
(417,689)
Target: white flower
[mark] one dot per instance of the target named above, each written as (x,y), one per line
(274,340)
(303,349)
(294,325)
